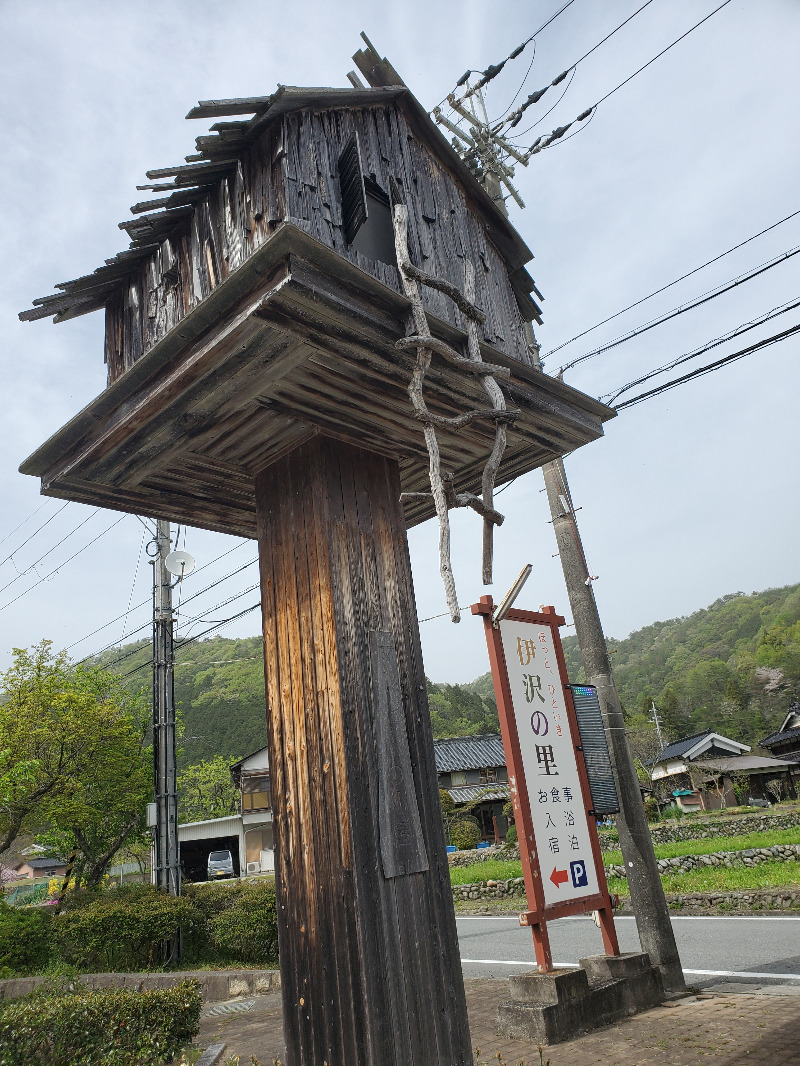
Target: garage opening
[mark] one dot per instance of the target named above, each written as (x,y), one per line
(194,856)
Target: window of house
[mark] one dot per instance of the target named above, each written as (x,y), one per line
(458,777)
(256,795)
(488,775)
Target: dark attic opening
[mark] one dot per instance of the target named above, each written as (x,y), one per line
(366,209)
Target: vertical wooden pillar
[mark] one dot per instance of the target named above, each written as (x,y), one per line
(369,958)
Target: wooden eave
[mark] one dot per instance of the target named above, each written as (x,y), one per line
(294,342)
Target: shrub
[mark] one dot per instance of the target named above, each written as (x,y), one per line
(464,832)
(118,1027)
(122,933)
(24,938)
(511,835)
(246,929)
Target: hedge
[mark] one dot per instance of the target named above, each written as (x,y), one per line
(24,939)
(113,934)
(116,1027)
(240,921)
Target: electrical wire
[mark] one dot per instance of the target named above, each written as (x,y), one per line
(538,122)
(698,301)
(512,55)
(133,584)
(664,288)
(202,617)
(61,565)
(754,323)
(192,640)
(536,147)
(106,625)
(35,532)
(148,623)
(32,566)
(24,522)
(535,97)
(701,371)
(519,90)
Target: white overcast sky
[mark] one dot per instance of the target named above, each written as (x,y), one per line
(689,496)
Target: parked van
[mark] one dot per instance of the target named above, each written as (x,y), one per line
(220,864)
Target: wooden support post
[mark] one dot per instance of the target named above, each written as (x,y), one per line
(369,957)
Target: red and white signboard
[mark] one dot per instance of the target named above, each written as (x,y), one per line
(549,763)
(559,848)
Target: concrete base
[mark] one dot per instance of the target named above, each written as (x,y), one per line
(547,1008)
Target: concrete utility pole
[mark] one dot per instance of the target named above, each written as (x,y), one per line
(647,893)
(165,773)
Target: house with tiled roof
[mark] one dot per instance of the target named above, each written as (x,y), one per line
(474,768)
(702,769)
(785,743)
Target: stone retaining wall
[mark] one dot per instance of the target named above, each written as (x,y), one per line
(514,886)
(748,857)
(216,985)
(706,829)
(770,899)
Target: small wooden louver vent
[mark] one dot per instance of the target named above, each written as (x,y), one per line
(351,182)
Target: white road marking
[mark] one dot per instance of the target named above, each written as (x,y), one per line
(632,918)
(697,973)
(744,973)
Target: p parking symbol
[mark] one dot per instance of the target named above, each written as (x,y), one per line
(580,878)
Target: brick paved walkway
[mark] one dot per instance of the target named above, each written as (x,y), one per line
(712,1030)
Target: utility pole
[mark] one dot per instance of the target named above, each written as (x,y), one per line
(491,157)
(165,773)
(647,893)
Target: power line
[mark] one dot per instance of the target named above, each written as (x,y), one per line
(144,602)
(24,522)
(133,583)
(664,288)
(513,119)
(494,69)
(192,640)
(61,565)
(701,371)
(744,328)
(32,566)
(545,142)
(39,530)
(711,294)
(146,625)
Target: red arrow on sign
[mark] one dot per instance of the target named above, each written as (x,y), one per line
(559,877)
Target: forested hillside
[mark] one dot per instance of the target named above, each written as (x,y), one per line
(734,666)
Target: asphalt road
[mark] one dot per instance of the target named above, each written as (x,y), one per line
(712,949)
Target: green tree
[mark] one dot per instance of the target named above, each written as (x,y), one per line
(85,782)
(205,790)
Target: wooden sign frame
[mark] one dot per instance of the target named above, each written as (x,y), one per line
(539,913)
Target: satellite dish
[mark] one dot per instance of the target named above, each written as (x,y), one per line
(179,564)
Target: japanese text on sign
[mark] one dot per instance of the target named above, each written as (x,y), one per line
(559,818)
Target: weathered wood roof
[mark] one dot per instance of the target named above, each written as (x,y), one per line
(220,151)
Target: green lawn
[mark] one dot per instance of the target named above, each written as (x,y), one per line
(724,879)
(502,869)
(491,870)
(720,843)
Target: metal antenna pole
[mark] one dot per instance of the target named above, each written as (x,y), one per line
(165,772)
(657,723)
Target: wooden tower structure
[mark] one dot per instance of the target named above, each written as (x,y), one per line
(256,386)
